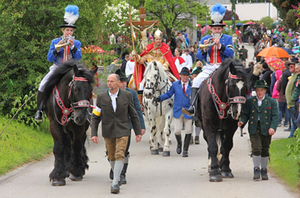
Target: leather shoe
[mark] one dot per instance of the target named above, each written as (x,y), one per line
(288,129)
(115,189)
(123,179)
(256,173)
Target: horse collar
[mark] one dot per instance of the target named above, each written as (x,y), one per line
(221,105)
(65,111)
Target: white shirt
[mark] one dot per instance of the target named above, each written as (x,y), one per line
(185,84)
(113,98)
(129,67)
(259,102)
(179,66)
(188,60)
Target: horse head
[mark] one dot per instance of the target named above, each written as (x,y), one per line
(236,88)
(155,78)
(80,92)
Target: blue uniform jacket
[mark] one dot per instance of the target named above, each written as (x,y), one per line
(57,57)
(226,48)
(180,100)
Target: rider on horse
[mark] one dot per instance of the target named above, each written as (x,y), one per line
(213,55)
(158,51)
(61,49)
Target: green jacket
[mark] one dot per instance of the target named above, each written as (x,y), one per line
(296,91)
(268,113)
(289,91)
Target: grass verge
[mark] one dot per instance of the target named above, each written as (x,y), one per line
(284,166)
(21,144)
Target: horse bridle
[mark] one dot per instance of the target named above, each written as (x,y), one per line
(66,112)
(154,88)
(222,106)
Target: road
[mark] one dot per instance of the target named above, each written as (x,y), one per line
(150,176)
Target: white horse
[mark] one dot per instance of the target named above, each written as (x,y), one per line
(158,114)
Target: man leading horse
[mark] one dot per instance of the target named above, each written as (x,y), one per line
(158,51)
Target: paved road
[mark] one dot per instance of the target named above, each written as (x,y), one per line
(150,176)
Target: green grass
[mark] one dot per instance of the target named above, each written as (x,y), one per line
(284,166)
(20,144)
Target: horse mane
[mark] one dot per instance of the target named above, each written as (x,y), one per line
(159,66)
(224,69)
(66,69)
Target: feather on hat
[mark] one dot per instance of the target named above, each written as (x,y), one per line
(71,16)
(217,14)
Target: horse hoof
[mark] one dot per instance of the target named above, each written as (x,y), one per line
(154,152)
(160,149)
(215,178)
(227,175)
(73,178)
(166,154)
(58,182)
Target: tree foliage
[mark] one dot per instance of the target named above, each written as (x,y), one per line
(267,21)
(290,20)
(172,14)
(27,28)
(283,6)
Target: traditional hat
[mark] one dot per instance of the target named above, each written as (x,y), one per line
(157,34)
(217,14)
(184,71)
(71,16)
(261,84)
(121,74)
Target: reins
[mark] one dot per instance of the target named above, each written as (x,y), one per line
(67,112)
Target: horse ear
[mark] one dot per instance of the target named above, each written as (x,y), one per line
(94,71)
(232,68)
(145,63)
(75,70)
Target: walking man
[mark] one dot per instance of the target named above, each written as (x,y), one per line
(181,90)
(114,107)
(262,113)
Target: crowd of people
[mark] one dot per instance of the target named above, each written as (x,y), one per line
(188,66)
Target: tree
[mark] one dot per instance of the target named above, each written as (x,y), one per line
(172,14)
(27,28)
(267,21)
(289,20)
(283,6)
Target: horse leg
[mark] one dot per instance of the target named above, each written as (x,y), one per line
(79,158)
(62,154)
(226,148)
(214,174)
(153,137)
(166,134)
(160,130)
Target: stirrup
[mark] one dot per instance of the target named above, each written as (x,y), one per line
(189,113)
(39,116)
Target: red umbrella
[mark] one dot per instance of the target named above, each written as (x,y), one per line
(198,25)
(249,22)
(275,63)
(207,27)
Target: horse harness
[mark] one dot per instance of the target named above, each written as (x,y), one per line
(159,90)
(222,106)
(67,113)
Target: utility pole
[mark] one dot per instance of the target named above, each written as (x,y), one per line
(233,15)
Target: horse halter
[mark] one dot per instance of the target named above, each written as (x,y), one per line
(236,99)
(222,106)
(67,111)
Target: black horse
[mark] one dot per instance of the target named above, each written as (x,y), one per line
(221,97)
(67,103)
